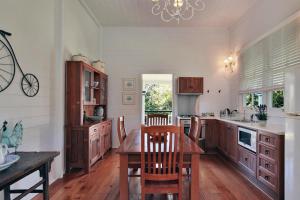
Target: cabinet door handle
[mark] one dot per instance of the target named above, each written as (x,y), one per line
(246,159)
(267,165)
(267,152)
(95,130)
(267,139)
(267,178)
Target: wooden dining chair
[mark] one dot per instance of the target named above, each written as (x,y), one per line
(196,129)
(156,119)
(194,135)
(162,160)
(122,135)
(121,129)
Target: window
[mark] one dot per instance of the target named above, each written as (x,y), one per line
(277,99)
(253,99)
(263,64)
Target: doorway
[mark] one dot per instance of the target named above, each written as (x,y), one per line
(157,95)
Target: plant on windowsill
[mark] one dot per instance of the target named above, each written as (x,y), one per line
(262,115)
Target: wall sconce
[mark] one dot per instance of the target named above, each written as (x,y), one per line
(229,63)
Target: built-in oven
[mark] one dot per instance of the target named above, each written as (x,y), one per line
(186,125)
(247,138)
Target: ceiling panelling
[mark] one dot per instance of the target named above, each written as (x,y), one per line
(218,13)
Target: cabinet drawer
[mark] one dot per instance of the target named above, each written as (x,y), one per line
(268,139)
(268,165)
(94,129)
(267,151)
(247,159)
(267,178)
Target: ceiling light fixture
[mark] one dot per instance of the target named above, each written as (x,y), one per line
(176,9)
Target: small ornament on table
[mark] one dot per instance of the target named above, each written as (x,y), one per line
(11,137)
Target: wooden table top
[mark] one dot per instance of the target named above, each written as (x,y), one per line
(132,144)
(29,161)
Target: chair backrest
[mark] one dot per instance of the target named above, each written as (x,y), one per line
(161,153)
(156,119)
(196,128)
(121,129)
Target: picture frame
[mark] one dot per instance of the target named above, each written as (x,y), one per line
(129,84)
(128,98)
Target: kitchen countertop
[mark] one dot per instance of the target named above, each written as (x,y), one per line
(269,127)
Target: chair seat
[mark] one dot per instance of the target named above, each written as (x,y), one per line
(161,187)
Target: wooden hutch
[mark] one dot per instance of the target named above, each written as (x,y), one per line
(86,142)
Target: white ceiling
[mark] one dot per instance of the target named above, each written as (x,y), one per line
(218,13)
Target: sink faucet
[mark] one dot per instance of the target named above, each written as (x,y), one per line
(233,111)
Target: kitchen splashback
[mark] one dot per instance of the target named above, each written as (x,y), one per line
(186,105)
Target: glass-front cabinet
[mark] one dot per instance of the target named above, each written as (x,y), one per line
(87,89)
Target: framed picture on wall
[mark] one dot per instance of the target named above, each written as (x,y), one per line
(128,98)
(129,84)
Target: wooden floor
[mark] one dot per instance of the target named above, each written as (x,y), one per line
(218,181)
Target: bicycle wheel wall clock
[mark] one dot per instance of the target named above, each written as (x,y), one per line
(8,62)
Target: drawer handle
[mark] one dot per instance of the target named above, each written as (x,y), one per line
(267,165)
(267,178)
(267,152)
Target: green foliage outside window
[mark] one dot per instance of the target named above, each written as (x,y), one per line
(158,97)
(253,99)
(277,99)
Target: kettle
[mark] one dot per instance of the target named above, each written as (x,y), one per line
(3,153)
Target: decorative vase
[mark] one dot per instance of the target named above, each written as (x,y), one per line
(262,123)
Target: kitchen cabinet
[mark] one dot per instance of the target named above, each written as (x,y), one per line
(265,167)
(88,145)
(227,140)
(270,162)
(190,85)
(103,89)
(94,145)
(85,92)
(222,142)
(247,159)
(211,135)
(232,143)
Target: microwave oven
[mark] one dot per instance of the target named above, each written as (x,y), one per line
(247,138)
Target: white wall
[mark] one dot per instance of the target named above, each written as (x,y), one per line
(45,33)
(263,17)
(32,25)
(130,52)
(81,33)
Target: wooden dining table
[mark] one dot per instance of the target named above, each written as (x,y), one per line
(130,154)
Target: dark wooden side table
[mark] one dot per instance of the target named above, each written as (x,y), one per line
(28,164)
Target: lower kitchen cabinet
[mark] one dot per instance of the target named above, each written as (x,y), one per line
(270,162)
(232,143)
(247,159)
(222,140)
(227,140)
(88,144)
(94,144)
(211,139)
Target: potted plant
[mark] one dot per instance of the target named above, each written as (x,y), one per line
(262,115)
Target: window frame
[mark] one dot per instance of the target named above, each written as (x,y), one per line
(270,99)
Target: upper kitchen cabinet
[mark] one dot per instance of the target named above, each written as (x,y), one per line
(190,85)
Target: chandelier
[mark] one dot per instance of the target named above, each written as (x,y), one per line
(176,9)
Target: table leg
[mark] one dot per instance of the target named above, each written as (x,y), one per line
(7,193)
(123,177)
(45,174)
(194,189)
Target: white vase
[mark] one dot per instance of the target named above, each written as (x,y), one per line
(262,123)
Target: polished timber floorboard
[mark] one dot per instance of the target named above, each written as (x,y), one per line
(218,181)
